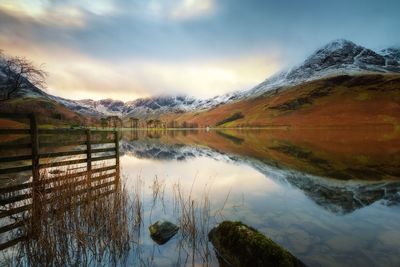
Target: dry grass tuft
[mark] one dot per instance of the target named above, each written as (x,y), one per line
(75,222)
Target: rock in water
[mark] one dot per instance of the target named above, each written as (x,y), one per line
(162,232)
(240,245)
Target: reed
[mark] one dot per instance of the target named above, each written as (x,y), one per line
(137,205)
(195,220)
(77,220)
(96,220)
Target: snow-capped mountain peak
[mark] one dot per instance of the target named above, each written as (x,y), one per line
(337,57)
(151,106)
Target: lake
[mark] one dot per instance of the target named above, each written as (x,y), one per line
(329,196)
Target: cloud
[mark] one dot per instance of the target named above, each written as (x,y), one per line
(75,75)
(192,8)
(42,13)
(171,10)
(68,10)
(65,13)
(210,77)
(82,77)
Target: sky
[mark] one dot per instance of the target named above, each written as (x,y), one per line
(128,49)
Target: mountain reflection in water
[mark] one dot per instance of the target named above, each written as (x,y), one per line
(273,152)
(329,196)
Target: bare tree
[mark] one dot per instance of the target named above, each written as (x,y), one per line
(19,72)
(103,122)
(114,121)
(134,122)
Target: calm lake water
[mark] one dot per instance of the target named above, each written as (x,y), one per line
(331,197)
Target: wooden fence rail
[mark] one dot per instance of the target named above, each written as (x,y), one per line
(40,152)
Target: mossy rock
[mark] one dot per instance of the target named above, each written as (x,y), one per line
(240,245)
(162,231)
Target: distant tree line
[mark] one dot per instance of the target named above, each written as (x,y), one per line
(132,122)
(184,124)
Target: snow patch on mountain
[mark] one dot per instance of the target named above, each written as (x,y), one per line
(392,56)
(154,106)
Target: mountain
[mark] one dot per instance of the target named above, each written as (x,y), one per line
(340,57)
(335,58)
(392,55)
(152,106)
(144,106)
(344,100)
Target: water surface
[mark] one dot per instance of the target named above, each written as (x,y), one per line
(329,196)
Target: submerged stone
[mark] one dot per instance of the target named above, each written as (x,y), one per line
(162,231)
(237,244)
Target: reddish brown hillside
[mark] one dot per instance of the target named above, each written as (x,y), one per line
(372,99)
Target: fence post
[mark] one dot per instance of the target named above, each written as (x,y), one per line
(35,147)
(116,141)
(89,162)
(36,190)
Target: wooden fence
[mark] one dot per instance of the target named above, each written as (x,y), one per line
(87,160)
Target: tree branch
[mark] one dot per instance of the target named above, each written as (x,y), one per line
(21,72)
